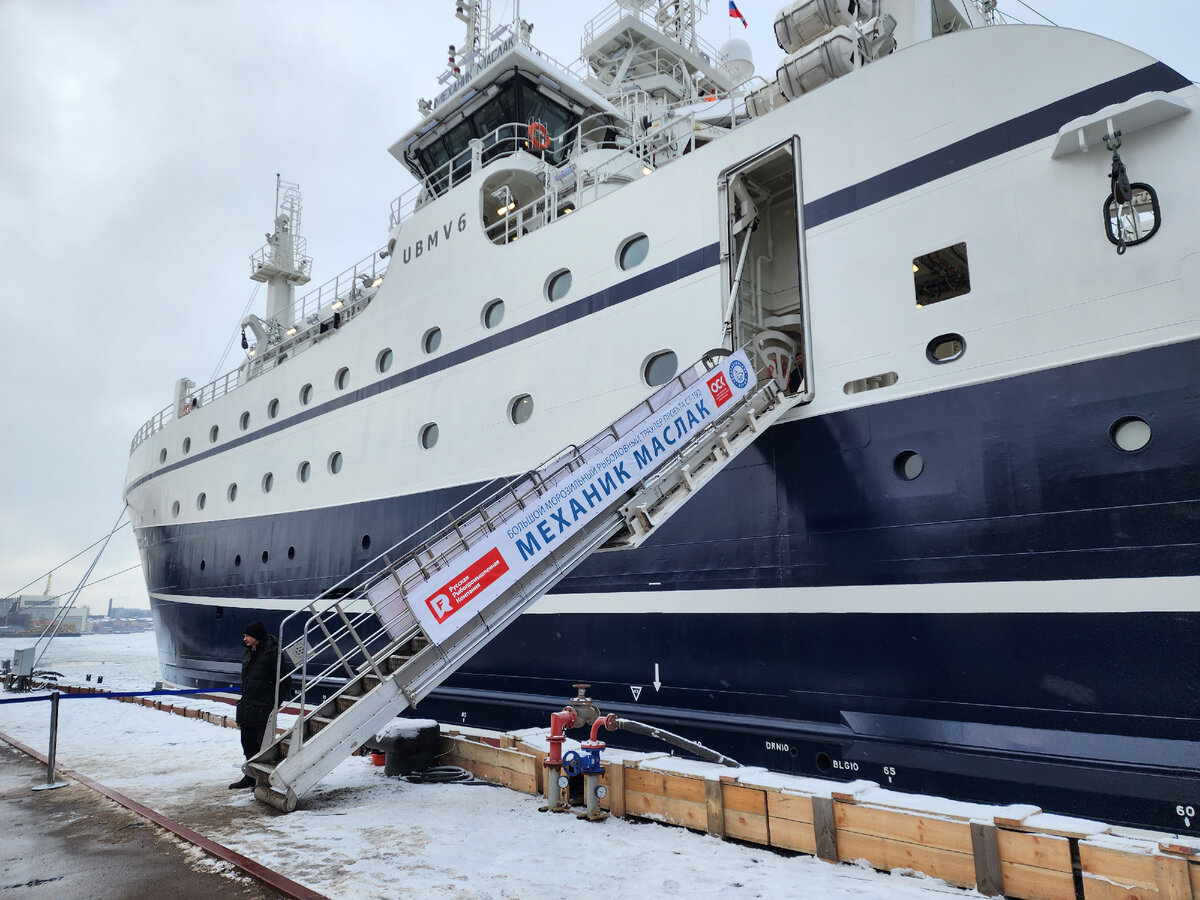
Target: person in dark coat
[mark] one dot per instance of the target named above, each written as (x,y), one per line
(259,666)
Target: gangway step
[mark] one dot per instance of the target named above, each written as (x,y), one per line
(437,600)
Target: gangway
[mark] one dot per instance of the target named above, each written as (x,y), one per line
(432,601)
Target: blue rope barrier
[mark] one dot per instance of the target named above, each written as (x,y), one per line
(63,695)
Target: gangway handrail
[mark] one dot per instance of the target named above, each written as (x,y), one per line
(567,458)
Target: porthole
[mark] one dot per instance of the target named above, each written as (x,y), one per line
(383,361)
(203,564)
(908,465)
(237,560)
(265,557)
(268,482)
(492,313)
(175,509)
(244,421)
(306,395)
(633,251)
(187,445)
(366,542)
(432,340)
(342,379)
(1130,433)
(231,493)
(303,472)
(520,409)
(429,435)
(558,284)
(660,368)
(212,434)
(335,462)
(201,500)
(162,455)
(273,409)
(291,552)
(945,348)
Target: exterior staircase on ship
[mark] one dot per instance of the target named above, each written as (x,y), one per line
(389,634)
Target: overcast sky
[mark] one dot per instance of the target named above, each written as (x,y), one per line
(139,141)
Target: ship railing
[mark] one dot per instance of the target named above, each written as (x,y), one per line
(337,637)
(597,131)
(570,187)
(218,387)
(346,294)
(280,256)
(341,287)
(687,35)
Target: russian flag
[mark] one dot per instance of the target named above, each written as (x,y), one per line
(735,13)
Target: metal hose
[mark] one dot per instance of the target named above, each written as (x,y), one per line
(690,746)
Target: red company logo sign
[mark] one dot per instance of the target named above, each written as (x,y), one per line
(718,386)
(467,585)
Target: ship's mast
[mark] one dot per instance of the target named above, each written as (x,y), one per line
(282,263)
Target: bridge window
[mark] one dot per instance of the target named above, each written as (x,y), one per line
(501,120)
(941,275)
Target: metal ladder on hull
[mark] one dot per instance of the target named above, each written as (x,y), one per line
(436,598)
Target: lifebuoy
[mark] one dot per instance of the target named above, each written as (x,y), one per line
(539,136)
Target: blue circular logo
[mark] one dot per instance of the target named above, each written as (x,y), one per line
(738,374)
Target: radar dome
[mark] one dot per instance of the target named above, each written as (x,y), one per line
(737,59)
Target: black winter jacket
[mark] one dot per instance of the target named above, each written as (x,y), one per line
(258,682)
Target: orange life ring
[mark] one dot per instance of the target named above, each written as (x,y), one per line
(539,136)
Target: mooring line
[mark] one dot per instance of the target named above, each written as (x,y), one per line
(251,867)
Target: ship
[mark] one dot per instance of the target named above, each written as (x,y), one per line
(965,565)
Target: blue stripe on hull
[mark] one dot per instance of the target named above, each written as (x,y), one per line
(1021,483)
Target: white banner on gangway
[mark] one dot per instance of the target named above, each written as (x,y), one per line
(443,605)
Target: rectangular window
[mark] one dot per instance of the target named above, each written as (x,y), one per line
(941,274)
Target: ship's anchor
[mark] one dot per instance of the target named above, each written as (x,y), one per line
(1122,191)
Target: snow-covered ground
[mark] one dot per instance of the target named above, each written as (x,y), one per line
(361,834)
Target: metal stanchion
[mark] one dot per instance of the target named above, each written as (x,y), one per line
(51,784)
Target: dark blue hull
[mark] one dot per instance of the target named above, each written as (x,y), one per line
(1090,709)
